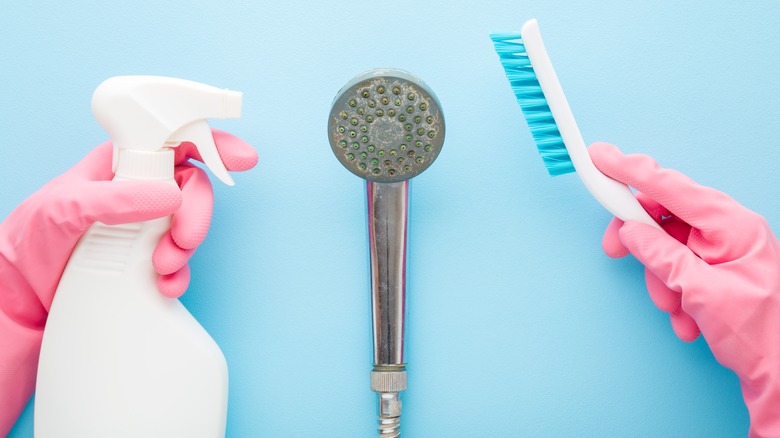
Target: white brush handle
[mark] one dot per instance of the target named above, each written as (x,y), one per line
(613,195)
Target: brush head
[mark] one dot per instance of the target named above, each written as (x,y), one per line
(386,126)
(530,96)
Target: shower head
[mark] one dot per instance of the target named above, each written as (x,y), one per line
(386,126)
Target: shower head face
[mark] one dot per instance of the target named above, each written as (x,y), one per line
(386,126)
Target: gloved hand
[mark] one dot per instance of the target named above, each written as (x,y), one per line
(716,271)
(38,237)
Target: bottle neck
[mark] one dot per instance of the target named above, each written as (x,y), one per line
(145,165)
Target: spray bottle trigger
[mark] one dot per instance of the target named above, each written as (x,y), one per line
(199,133)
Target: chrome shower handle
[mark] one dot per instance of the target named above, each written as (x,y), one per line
(388,210)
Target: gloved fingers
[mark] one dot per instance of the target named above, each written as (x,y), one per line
(702,207)
(95,166)
(191,222)
(684,325)
(611,243)
(112,202)
(669,260)
(169,257)
(174,285)
(664,298)
(237,155)
(670,301)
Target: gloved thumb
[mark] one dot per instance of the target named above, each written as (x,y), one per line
(663,255)
(115,202)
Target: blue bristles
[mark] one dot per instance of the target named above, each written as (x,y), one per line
(528,92)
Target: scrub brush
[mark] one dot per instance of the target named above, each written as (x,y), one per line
(552,123)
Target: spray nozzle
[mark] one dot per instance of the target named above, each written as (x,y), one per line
(151,113)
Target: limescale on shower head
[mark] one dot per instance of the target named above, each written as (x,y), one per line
(386,126)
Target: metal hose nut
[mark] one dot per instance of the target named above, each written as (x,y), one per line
(388,384)
(388,381)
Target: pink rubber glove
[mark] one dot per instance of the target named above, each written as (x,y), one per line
(717,270)
(38,236)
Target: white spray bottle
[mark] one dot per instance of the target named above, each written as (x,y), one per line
(119,359)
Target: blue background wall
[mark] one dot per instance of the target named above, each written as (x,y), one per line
(518,324)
